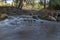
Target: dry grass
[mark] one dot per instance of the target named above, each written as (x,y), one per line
(36,6)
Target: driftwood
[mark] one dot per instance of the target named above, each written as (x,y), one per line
(51,18)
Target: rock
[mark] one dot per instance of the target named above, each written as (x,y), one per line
(3,16)
(58,16)
(34,17)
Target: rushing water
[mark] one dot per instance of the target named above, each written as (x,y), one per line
(25,27)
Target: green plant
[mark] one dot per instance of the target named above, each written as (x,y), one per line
(54,4)
(39,5)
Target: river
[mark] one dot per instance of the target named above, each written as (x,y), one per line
(24,27)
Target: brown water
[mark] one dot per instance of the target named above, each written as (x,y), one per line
(27,28)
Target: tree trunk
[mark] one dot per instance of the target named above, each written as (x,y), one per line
(5,1)
(20,4)
(44,4)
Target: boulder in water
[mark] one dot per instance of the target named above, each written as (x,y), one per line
(3,16)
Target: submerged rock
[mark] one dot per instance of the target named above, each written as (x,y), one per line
(35,17)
